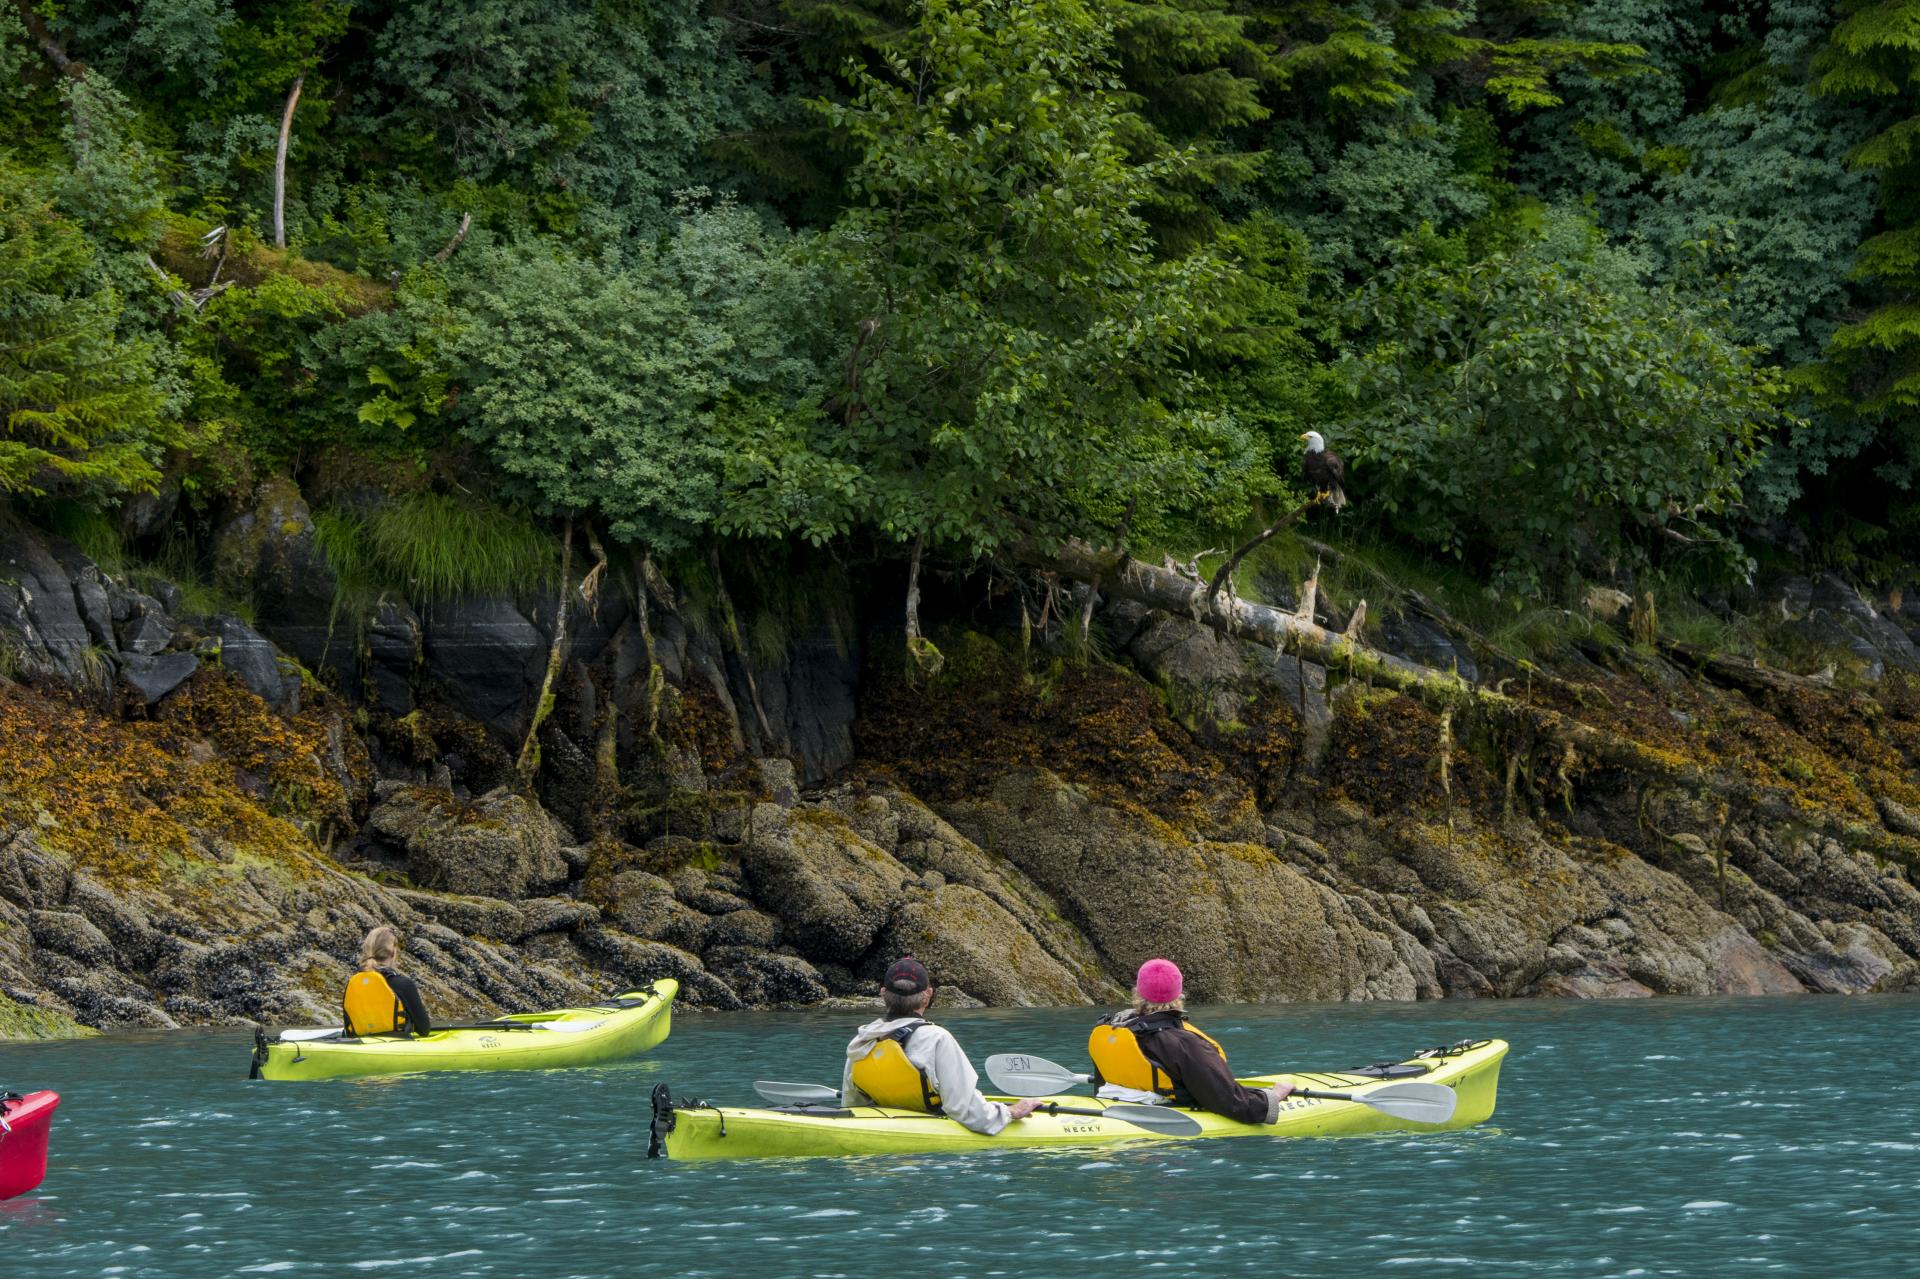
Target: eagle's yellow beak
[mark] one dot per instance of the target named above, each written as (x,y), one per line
(1303,435)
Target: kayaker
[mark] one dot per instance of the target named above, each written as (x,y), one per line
(905,1061)
(1152,1053)
(379,999)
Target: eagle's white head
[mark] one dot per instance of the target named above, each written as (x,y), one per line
(1314,443)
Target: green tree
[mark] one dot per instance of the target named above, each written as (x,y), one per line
(1874,55)
(1548,401)
(1731,173)
(1013,346)
(80,412)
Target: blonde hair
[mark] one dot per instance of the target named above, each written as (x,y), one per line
(381,947)
(1143,1007)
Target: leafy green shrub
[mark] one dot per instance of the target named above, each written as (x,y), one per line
(597,385)
(1547,401)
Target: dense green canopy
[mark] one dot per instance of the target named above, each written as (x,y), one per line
(1566,282)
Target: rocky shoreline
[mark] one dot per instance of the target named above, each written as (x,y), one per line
(200,814)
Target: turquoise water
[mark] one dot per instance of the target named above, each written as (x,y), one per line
(1671,1137)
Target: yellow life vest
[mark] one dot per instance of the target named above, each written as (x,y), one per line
(370,1005)
(1116,1054)
(887,1076)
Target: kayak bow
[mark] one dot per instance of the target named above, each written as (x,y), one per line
(24,1125)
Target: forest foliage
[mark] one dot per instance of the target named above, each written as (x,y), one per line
(1569,283)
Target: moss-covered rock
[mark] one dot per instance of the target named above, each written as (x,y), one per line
(1239,921)
(830,887)
(500,845)
(967,939)
(25,1021)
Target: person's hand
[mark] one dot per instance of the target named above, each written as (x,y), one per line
(1021,1109)
(1280,1091)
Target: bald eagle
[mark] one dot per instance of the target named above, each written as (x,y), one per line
(1325,471)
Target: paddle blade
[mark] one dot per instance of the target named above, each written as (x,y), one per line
(1024,1075)
(307,1034)
(1415,1102)
(796,1094)
(1168,1123)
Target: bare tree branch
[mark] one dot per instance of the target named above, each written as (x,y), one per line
(49,47)
(466,221)
(280,166)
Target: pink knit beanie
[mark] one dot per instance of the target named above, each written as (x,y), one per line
(1158,982)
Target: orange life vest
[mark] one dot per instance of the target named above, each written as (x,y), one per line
(1116,1054)
(370,1005)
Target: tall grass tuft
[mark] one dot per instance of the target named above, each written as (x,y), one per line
(433,546)
(93,532)
(178,561)
(342,539)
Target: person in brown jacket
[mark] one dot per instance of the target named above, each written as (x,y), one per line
(1152,1053)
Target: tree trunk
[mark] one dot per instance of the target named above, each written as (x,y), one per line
(466,222)
(925,657)
(528,765)
(43,39)
(643,613)
(280,166)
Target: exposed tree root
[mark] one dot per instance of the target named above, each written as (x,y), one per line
(1562,740)
(527,766)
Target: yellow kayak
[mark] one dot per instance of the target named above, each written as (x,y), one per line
(702,1131)
(588,1036)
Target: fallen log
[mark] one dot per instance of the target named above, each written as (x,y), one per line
(1123,577)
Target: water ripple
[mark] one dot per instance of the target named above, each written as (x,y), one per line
(1643,1138)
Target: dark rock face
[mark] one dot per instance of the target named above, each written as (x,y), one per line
(1036,887)
(1418,639)
(1215,679)
(40,614)
(1829,610)
(486,659)
(144,515)
(269,552)
(394,641)
(145,634)
(248,654)
(810,700)
(154,677)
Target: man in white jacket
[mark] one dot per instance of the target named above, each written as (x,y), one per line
(905,1061)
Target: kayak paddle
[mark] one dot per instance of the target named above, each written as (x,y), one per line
(1021,1075)
(307,1034)
(1169,1123)
(797,1094)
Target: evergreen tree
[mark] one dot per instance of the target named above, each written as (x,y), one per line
(80,411)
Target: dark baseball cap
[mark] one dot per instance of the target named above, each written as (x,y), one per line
(908,976)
